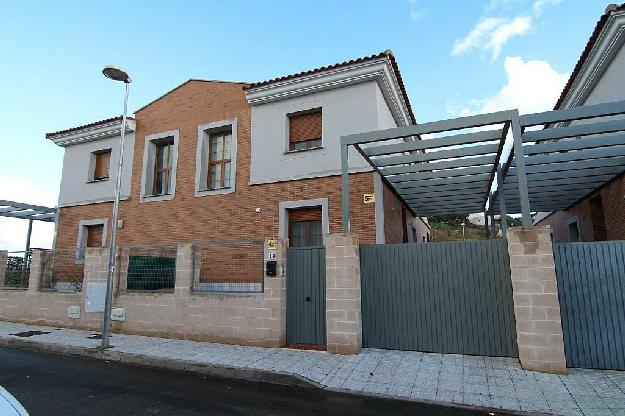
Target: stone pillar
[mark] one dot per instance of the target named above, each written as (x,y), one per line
(36,264)
(4,255)
(343,316)
(275,289)
(536,303)
(184,270)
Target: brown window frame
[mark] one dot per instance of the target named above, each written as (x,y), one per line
(309,143)
(97,154)
(220,162)
(164,171)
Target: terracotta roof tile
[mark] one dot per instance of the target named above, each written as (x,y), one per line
(84,126)
(386,54)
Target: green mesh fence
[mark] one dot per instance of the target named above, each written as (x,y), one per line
(151,273)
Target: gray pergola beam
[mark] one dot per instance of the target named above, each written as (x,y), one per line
(601,127)
(570,174)
(579,165)
(432,166)
(428,183)
(574,113)
(441,174)
(587,143)
(480,149)
(5,203)
(600,153)
(519,156)
(435,143)
(563,181)
(450,189)
(427,128)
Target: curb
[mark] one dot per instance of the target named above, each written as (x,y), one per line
(184,366)
(237,373)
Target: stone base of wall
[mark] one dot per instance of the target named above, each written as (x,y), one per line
(244,318)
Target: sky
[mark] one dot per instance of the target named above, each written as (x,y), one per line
(456,57)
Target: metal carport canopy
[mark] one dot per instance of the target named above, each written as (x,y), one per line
(549,169)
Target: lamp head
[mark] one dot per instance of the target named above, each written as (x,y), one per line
(116,74)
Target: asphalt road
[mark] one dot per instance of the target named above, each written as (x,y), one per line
(48,384)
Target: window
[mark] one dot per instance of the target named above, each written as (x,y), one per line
(162,167)
(600,233)
(305,227)
(91,233)
(305,130)
(215,162)
(573,231)
(158,176)
(94,235)
(100,164)
(219,174)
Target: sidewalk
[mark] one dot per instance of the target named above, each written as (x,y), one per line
(462,380)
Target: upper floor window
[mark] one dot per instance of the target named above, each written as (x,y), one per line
(100,164)
(215,163)
(162,167)
(158,180)
(305,130)
(219,172)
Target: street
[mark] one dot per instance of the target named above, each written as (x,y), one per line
(49,384)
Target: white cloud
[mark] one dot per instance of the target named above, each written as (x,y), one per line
(416,14)
(13,230)
(492,33)
(531,86)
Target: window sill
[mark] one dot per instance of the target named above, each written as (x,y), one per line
(288,152)
(97,180)
(219,191)
(155,198)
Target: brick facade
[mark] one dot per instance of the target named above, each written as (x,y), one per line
(612,196)
(224,217)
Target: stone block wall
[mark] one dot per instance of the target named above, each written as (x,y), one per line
(343,311)
(536,303)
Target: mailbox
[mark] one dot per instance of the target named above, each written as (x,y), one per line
(270,268)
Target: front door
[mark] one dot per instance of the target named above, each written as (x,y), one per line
(305,296)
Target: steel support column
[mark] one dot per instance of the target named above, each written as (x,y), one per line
(502,203)
(520,169)
(345,188)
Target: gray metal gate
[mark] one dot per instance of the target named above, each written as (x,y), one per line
(306,296)
(451,297)
(591,286)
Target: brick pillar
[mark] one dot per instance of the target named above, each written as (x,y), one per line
(184,270)
(536,303)
(343,318)
(36,263)
(4,255)
(275,290)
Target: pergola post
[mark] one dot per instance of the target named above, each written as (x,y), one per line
(345,188)
(487,230)
(519,158)
(502,203)
(27,248)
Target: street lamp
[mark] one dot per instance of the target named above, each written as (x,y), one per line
(116,74)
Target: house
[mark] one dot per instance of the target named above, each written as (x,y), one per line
(597,78)
(215,160)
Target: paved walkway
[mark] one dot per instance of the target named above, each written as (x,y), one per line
(465,380)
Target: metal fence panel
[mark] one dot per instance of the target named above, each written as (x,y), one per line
(16,270)
(61,270)
(591,286)
(147,268)
(453,297)
(305,295)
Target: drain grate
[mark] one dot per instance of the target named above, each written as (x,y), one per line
(27,334)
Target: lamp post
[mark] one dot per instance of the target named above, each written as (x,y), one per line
(116,74)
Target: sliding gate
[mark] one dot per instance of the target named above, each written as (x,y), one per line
(591,286)
(453,297)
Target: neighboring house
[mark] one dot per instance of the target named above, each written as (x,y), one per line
(225,160)
(598,77)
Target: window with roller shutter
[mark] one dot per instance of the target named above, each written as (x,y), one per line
(305,130)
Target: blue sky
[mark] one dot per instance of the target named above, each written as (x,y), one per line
(456,57)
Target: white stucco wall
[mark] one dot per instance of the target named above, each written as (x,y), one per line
(347,110)
(611,85)
(75,186)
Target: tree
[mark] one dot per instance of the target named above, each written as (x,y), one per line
(453,220)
